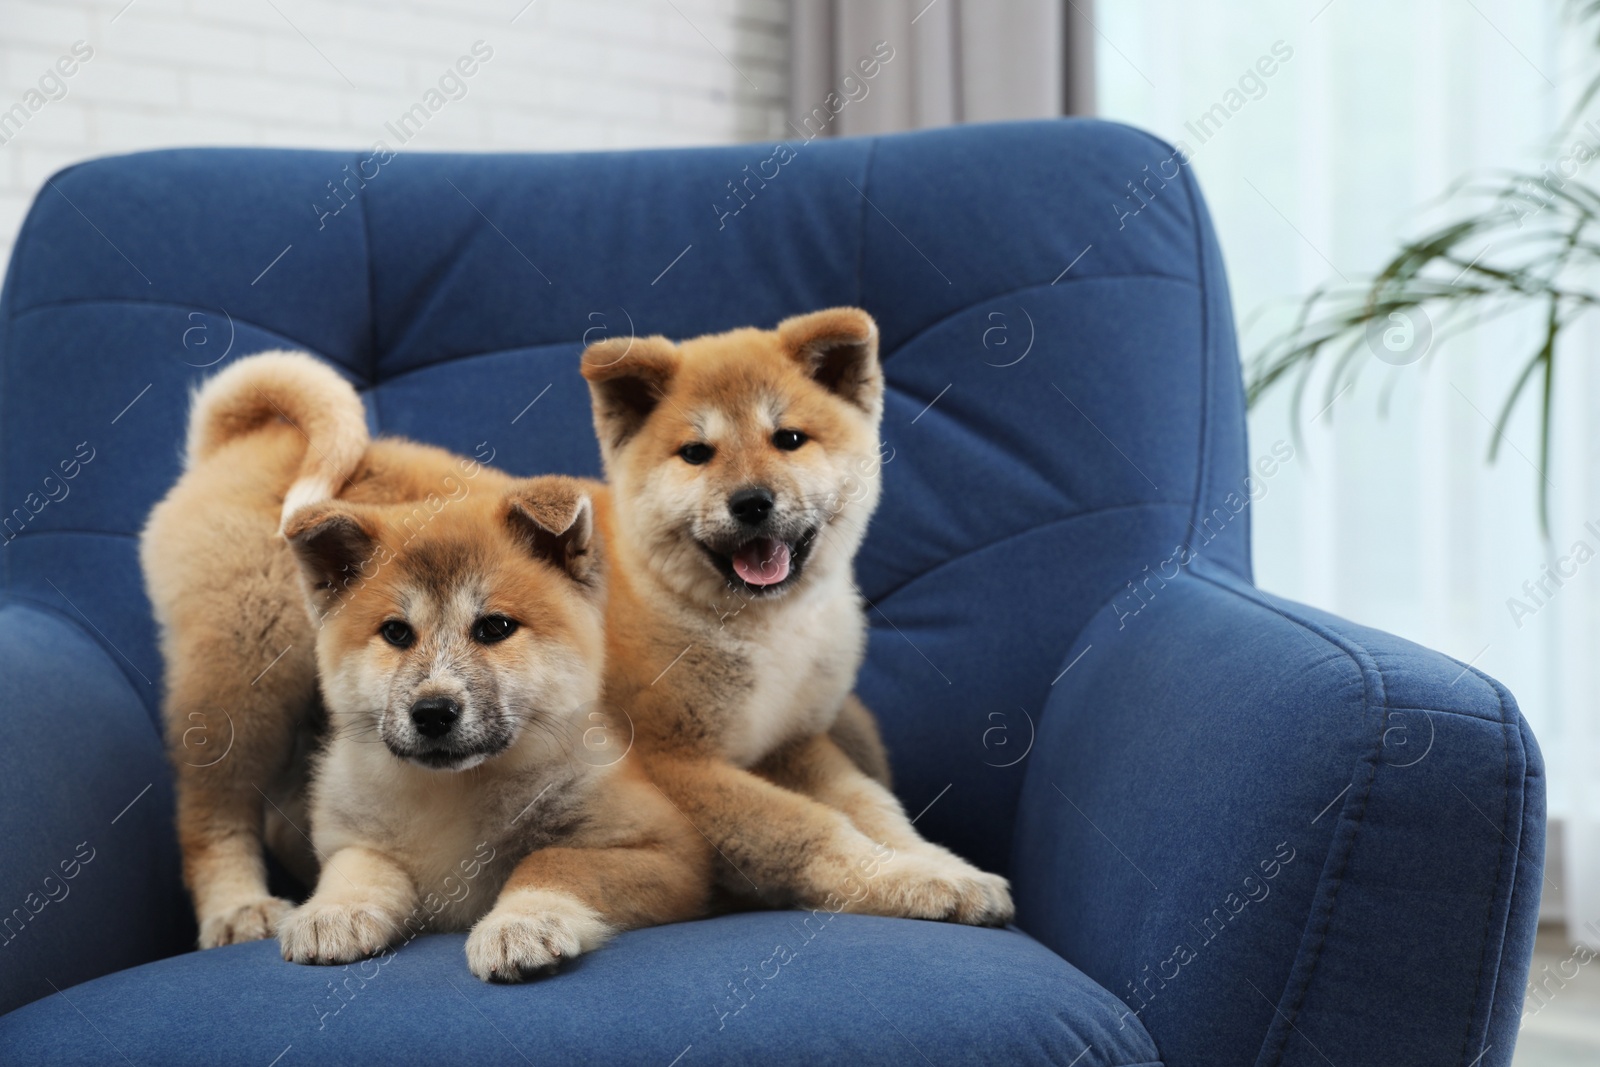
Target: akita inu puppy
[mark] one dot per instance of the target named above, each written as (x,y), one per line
(743,468)
(455,618)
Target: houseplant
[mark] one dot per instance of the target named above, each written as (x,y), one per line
(1512,240)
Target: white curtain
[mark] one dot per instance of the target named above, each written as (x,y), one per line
(1314,172)
(950,61)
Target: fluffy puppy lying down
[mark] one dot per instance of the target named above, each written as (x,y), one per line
(743,468)
(455,616)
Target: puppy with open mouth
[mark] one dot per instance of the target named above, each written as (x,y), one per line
(432,739)
(742,470)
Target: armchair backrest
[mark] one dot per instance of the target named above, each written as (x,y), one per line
(1063,385)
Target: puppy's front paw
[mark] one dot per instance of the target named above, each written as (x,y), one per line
(247,922)
(530,931)
(335,933)
(996,908)
(934,885)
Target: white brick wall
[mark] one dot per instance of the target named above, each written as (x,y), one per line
(565,74)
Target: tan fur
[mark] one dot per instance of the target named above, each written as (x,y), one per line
(855,731)
(237,644)
(284,387)
(442,541)
(741,696)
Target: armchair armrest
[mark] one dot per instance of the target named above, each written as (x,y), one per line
(89,870)
(1281,837)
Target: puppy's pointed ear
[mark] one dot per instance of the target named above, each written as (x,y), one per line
(333,544)
(627,378)
(553,518)
(838,348)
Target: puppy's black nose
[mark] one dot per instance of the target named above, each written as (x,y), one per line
(751,506)
(434,716)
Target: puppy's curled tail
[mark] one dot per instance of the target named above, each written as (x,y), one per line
(295,388)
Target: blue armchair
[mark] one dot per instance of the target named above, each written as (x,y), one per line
(1240,831)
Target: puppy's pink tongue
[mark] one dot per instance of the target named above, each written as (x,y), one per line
(762,561)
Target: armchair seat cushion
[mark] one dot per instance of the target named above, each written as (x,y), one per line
(844,989)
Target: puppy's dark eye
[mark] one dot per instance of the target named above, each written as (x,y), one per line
(492,629)
(789,440)
(397,633)
(696,453)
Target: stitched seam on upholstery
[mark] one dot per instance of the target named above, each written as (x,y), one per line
(372,295)
(73,532)
(18,252)
(1191,194)
(1499,868)
(1437,711)
(1014,290)
(885,356)
(861,224)
(57,304)
(25,238)
(60,304)
(1090,513)
(1349,648)
(1336,884)
(8,352)
(564,346)
(1369,678)
(1202,448)
(111,655)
